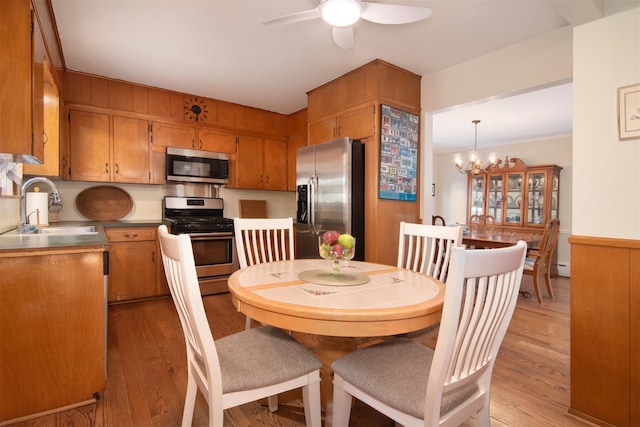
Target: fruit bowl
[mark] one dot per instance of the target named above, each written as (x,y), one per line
(335,247)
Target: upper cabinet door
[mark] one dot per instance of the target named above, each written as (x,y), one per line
(89,146)
(131,150)
(357,124)
(513,201)
(536,206)
(15,75)
(218,141)
(172,135)
(249,167)
(322,130)
(275,164)
(477,186)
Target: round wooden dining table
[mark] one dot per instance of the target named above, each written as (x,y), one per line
(334,316)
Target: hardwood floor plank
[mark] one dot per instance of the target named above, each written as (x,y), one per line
(147,371)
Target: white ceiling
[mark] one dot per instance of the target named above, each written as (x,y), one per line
(220,49)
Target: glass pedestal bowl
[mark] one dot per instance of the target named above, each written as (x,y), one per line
(336,253)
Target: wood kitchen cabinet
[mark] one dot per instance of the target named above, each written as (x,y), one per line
(173,135)
(261,163)
(89,146)
(130,150)
(518,196)
(17,70)
(54,159)
(52,330)
(216,140)
(358,123)
(180,136)
(134,264)
(108,148)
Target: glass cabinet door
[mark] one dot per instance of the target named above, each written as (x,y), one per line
(477,195)
(535,207)
(555,195)
(494,207)
(514,198)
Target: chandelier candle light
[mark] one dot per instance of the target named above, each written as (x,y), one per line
(475,165)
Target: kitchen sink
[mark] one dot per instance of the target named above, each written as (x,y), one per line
(60,230)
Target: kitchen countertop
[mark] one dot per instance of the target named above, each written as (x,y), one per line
(16,242)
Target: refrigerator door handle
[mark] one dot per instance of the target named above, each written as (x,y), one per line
(311,203)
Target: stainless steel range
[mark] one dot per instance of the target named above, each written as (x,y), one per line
(211,236)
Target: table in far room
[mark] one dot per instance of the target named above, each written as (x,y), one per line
(499,239)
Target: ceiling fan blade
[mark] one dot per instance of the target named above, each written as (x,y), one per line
(343,36)
(382,13)
(295,17)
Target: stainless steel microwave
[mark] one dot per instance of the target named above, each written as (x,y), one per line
(185,165)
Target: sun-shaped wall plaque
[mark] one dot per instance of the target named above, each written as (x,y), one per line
(195,109)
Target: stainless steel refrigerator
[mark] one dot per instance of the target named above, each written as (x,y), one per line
(330,194)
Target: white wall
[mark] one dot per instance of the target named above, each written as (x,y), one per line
(606,196)
(148,201)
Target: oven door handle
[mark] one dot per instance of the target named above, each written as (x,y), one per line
(200,236)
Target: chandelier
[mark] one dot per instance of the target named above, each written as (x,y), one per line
(475,165)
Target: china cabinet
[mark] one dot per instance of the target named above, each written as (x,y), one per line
(516,195)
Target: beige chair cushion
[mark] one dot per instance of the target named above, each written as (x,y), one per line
(402,370)
(267,350)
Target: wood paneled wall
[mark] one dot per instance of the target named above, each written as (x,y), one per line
(605,330)
(95,91)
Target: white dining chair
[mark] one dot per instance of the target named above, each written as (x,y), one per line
(240,368)
(417,386)
(261,240)
(427,249)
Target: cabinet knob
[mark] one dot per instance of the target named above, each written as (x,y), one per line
(106,168)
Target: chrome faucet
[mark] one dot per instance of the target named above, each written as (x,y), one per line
(24,219)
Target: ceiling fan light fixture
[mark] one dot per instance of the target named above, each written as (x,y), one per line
(341,13)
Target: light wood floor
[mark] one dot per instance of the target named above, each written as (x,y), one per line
(147,371)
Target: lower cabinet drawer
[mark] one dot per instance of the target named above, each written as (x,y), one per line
(131,234)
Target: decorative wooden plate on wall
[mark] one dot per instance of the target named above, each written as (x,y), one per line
(104,203)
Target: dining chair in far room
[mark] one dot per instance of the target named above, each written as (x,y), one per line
(260,240)
(437,220)
(539,260)
(240,368)
(417,386)
(482,223)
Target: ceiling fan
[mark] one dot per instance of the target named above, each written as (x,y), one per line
(342,14)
